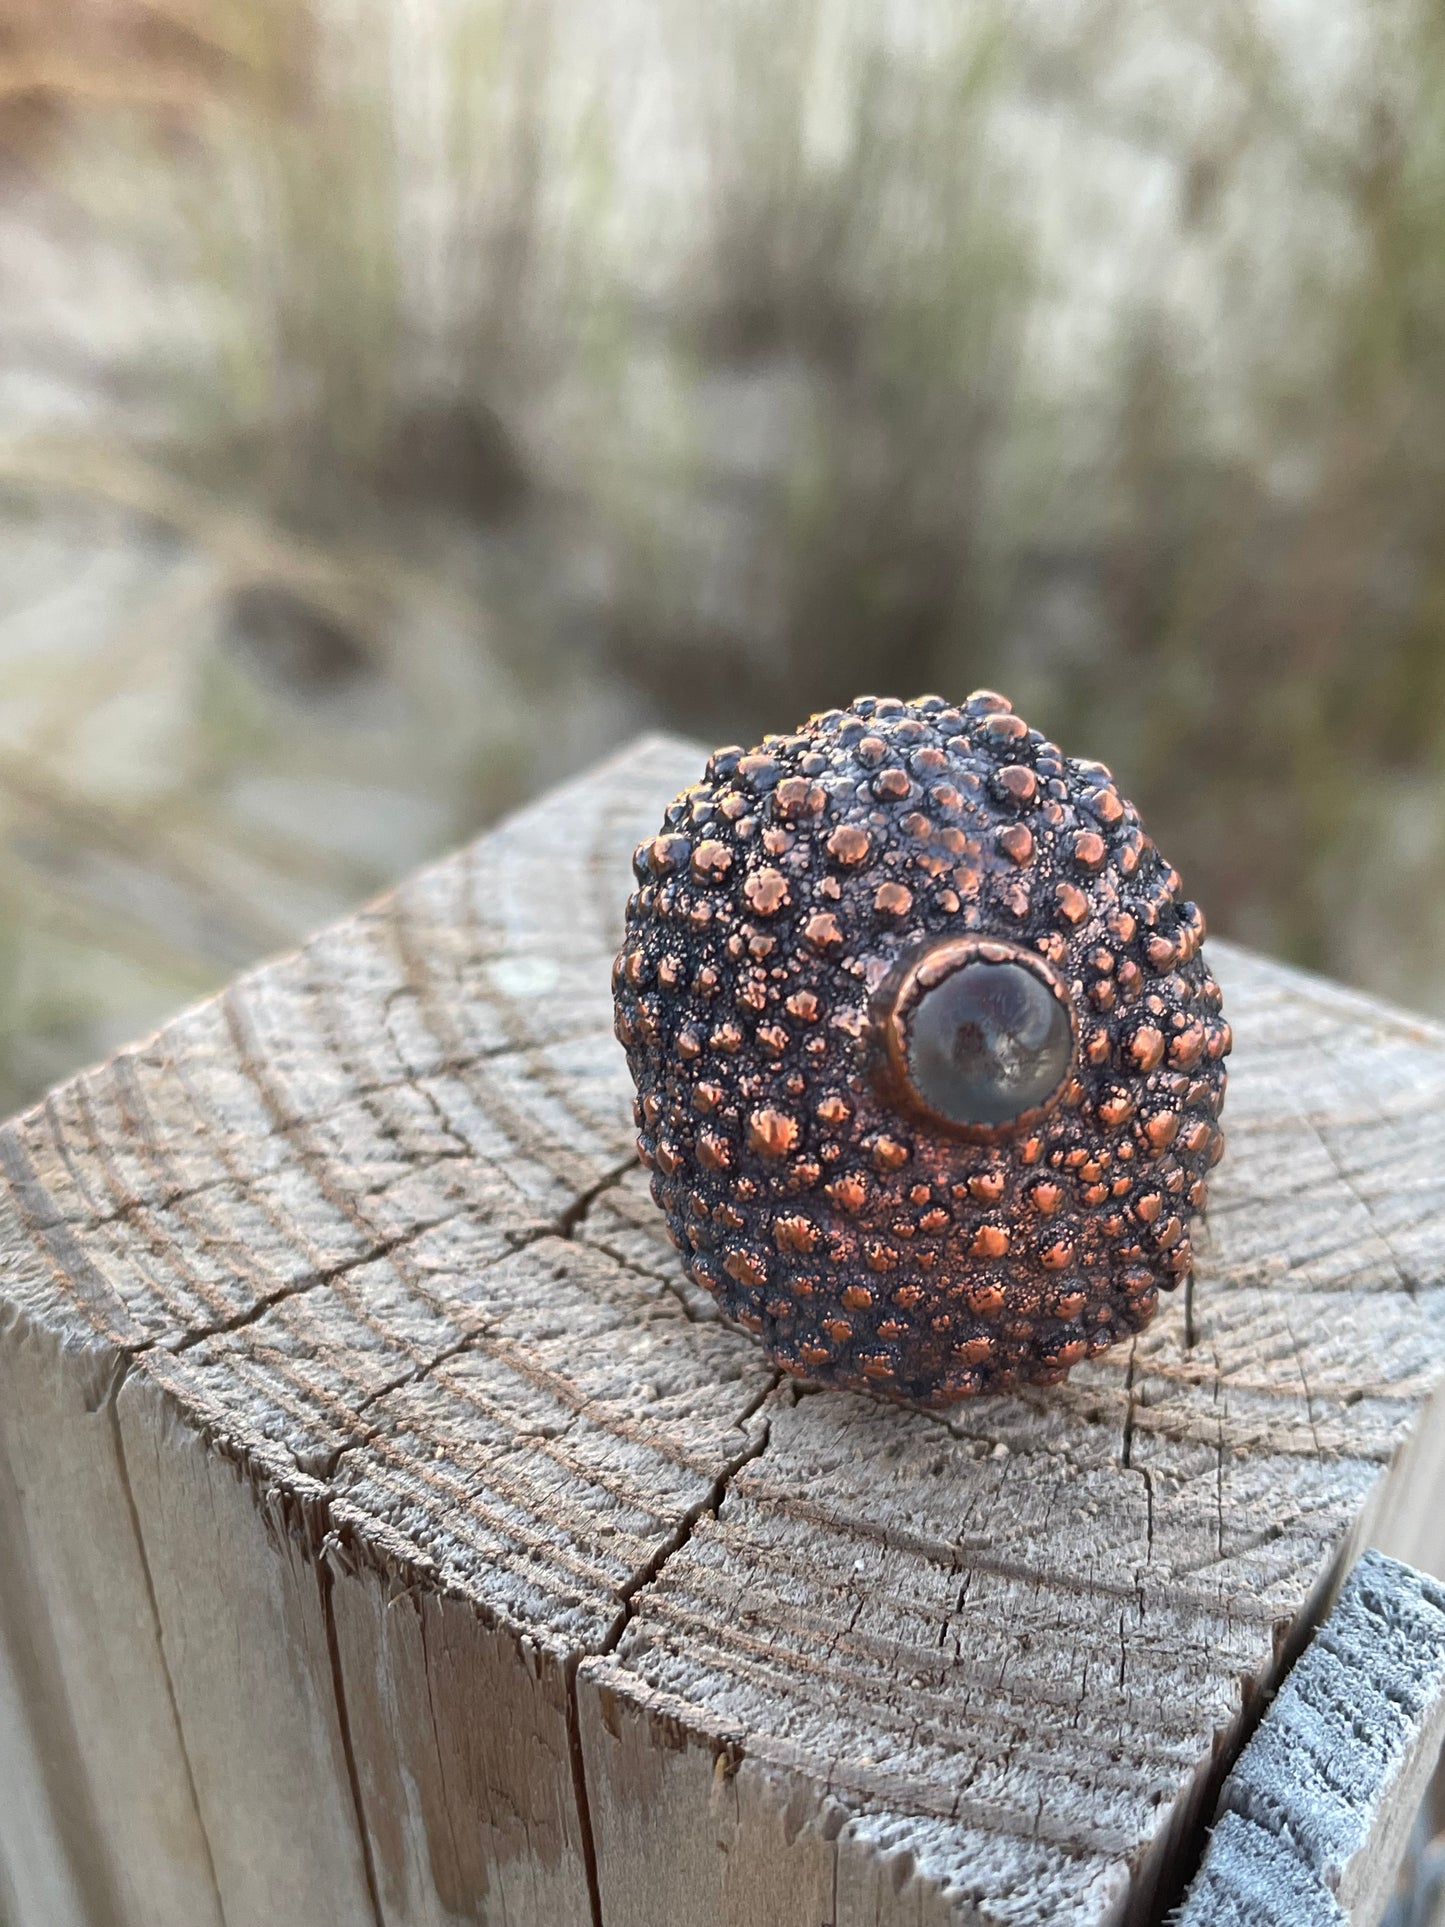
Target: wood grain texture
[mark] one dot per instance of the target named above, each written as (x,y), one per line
(384,1487)
(1315,1813)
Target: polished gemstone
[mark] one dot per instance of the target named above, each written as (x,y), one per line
(988,1043)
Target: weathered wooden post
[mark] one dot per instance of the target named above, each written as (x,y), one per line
(389,1534)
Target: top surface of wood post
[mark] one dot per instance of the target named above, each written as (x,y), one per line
(371,1220)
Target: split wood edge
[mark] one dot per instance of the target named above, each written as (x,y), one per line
(1315,1816)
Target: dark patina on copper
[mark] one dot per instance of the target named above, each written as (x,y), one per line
(929,1066)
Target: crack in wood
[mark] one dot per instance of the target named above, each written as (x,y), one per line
(324,1583)
(157,1626)
(572,1219)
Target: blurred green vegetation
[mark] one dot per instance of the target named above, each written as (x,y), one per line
(400,406)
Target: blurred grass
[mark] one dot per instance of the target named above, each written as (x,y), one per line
(400,406)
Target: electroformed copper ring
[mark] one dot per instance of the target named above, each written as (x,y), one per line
(929,1064)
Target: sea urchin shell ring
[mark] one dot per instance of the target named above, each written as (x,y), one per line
(929,1064)
(977,1037)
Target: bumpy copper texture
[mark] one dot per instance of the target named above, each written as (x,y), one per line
(929,1066)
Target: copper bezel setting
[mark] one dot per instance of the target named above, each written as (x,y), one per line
(922,970)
